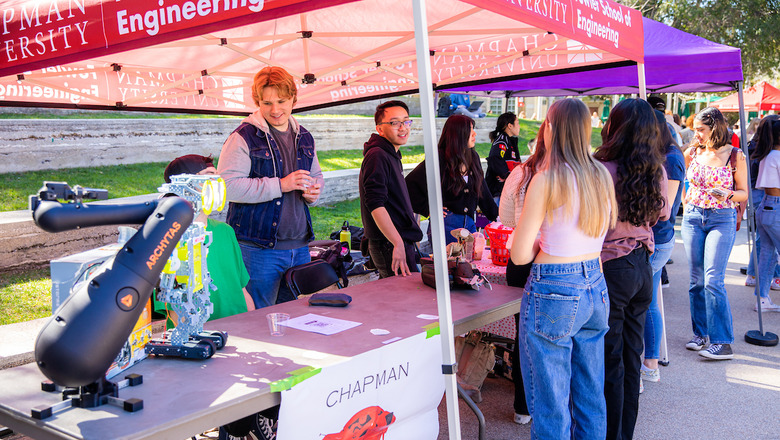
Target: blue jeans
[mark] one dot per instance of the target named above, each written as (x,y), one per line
(758,196)
(768,226)
(563,320)
(452,222)
(654,323)
(709,235)
(266,269)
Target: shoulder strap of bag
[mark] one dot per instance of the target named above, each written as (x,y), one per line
(733,164)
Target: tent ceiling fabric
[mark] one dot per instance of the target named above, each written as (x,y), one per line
(675,61)
(136,55)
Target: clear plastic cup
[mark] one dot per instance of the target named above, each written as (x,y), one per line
(275,321)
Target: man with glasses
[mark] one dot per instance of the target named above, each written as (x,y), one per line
(388,220)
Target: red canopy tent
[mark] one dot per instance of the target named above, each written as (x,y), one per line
(762,96)
(201,55)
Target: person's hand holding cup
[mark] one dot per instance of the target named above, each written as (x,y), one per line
(312,192)
(298,180)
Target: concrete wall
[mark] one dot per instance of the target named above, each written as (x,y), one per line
(38,144)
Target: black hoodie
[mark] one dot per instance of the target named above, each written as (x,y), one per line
(382,185)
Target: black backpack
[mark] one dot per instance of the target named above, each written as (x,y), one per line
(443,110)
(333,253)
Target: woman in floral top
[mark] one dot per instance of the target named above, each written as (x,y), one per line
(708,230)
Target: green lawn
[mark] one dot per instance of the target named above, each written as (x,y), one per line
(25,296)
(119,180)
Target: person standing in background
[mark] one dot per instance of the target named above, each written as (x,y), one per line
(758,196)
(663,236)
(504,154)
(686,134)
(272,176)
(767,154)
(463,186)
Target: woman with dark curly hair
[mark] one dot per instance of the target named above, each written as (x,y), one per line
(463,184)
(631,153)
(717,184)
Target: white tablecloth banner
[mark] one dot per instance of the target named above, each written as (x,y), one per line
(395,389)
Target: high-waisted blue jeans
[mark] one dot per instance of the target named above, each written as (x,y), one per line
(768,226)
(709,235)
(563,320)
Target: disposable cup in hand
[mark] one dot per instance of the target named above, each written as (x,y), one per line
(275,321)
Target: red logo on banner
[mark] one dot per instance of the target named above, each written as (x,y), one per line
(368,424)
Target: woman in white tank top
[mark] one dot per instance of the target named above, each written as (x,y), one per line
(563,316)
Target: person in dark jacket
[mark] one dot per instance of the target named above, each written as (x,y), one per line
(463,186)
(504,154)
(388,220)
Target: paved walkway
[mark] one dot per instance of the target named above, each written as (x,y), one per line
(696,398)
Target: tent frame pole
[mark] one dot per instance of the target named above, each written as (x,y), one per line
(449,363)
(640,68)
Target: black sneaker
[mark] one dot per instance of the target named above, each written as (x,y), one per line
(664,278)
(670,261)
(743,270)
(718,352)
(697,343)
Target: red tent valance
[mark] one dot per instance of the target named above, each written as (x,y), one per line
(201,55)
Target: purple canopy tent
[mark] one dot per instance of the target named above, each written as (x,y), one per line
(675,61)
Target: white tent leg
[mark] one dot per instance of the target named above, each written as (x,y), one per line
(664,353)
(751,229)
(640,68)
(437,222)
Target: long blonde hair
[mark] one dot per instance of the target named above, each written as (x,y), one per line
(570,145)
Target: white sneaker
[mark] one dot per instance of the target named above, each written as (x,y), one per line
(775,284)
(767,306)
(750,281)
(522,419)
(649,374)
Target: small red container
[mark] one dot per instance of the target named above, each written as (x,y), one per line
(498,251)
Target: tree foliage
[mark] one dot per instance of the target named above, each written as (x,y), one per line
(751,25)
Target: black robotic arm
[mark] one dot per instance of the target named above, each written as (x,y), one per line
(77,345)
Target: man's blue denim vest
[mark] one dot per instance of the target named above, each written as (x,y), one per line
(258,222)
